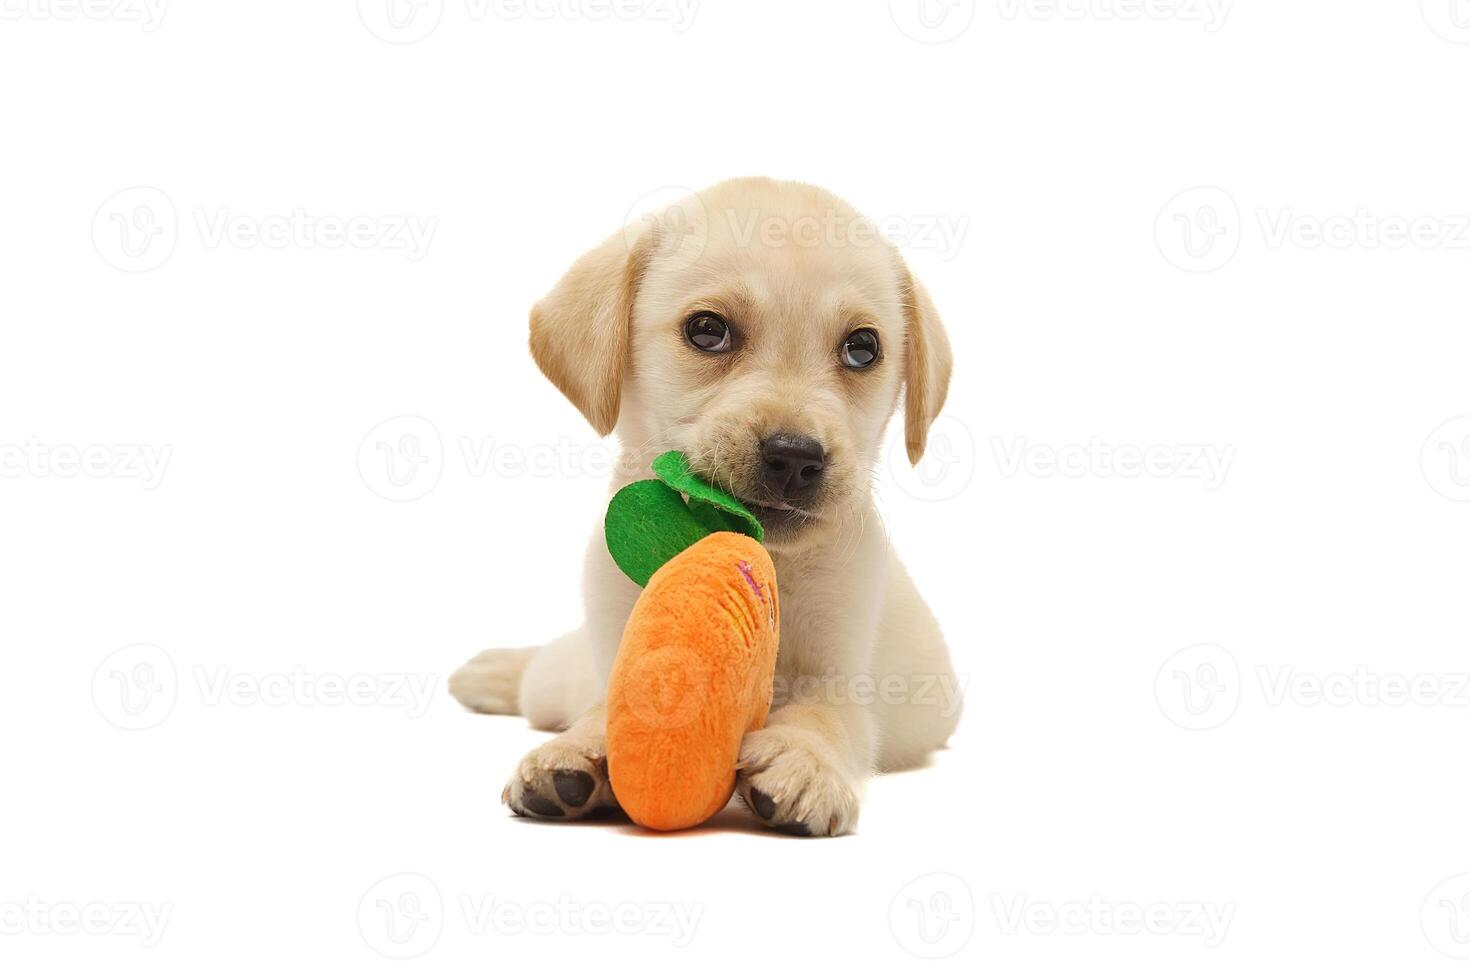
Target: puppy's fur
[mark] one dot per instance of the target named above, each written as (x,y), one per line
(864,679)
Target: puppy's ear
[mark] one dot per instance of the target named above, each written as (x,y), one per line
(579,331)
(927,362)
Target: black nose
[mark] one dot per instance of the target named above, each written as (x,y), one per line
(791,464)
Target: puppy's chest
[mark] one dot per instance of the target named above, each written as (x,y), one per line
(820,629)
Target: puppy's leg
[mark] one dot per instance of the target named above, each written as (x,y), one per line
(490,683)
(550,685)
(921,698)
(853,707)
(565,778)
(801,773)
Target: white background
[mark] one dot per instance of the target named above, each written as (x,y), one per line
(1095,300)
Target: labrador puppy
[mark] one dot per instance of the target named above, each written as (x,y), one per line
(766,330)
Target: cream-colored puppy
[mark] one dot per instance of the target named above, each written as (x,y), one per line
(767,331)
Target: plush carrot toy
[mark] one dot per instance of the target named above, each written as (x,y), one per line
(695,667)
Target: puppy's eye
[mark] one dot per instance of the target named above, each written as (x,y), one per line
(860,349)
(709,333)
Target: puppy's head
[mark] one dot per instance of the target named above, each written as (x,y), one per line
(764,329)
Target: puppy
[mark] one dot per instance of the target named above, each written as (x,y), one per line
(767,331)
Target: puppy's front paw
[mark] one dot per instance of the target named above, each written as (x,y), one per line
(563,779)
(792,781)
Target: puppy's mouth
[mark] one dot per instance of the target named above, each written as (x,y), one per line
(781,519)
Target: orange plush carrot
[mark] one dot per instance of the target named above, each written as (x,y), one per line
(695,667)
(693,675)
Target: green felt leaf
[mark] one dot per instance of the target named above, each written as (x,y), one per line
(647,524)
(673,469)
